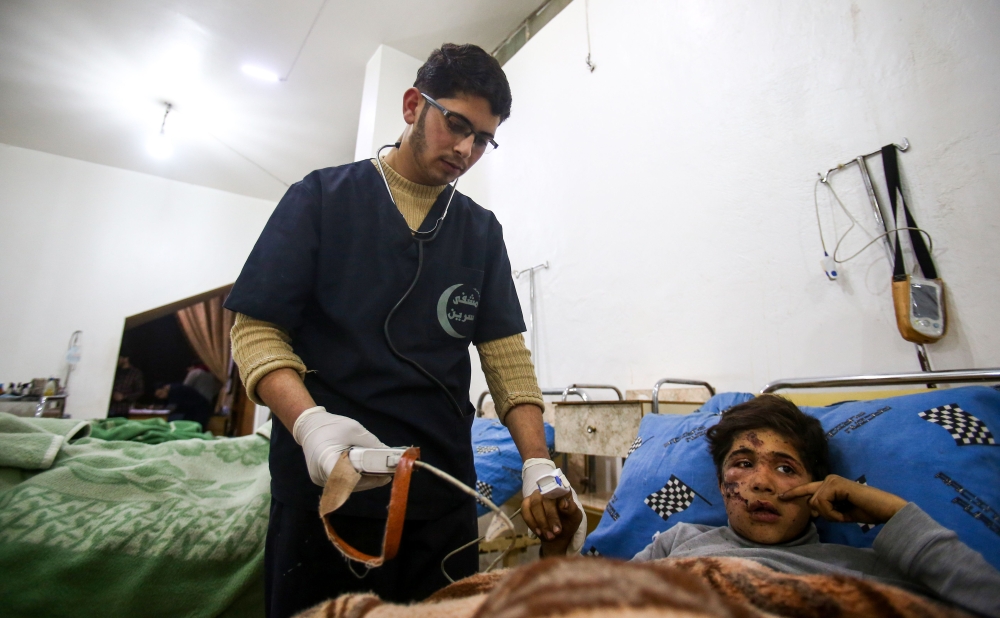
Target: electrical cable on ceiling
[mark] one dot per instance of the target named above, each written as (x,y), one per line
(304,41)
(162,136)
(159,144)
(248,159)
(586,16)
(854,222)
(166,112)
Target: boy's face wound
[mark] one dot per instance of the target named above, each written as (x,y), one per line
(760,466)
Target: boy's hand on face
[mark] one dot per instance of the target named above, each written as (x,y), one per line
(569,518)
(838,499)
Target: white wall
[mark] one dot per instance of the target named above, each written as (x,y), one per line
(388,74)
(84,246)
(672,189)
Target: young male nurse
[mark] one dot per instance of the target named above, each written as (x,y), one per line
(337,255)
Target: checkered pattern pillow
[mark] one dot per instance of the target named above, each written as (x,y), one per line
(673,498)
(965,428)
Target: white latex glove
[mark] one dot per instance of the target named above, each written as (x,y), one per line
(536,468)
(580,536)
(324,437)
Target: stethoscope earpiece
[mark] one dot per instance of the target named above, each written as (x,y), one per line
(432,233)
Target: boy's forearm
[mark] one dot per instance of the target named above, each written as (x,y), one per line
(933,556)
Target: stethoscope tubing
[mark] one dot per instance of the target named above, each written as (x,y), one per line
(420,238)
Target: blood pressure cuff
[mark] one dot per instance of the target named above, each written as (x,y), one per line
(938,449)
(498,463)
(339,486)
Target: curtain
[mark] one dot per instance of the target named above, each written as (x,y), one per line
(206,326)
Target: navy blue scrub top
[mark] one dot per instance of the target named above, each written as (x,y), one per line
(333,259)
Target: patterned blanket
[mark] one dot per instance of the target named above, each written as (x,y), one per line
(119,528)
(688,587)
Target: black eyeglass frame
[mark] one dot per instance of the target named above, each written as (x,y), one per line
(448,114)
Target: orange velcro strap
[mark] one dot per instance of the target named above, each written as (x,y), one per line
(394,523)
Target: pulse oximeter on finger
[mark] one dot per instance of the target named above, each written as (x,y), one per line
(554,485)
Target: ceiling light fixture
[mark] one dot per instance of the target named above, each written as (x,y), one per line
(270,76)
(159,146)
(261,74)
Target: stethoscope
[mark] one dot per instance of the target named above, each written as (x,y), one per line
(420,238)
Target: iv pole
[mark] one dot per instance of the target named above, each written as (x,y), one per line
(531,304)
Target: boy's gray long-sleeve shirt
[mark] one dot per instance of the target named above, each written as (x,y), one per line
(911,551)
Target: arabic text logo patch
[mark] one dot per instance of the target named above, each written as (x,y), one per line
(456,310)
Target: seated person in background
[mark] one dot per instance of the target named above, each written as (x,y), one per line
(201,379)
(184,403)
(772,464)
(128,387)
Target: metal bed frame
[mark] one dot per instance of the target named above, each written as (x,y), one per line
(659,383)
(573,389)
(951,376)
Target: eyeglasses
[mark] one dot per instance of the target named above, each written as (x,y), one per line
(461,128)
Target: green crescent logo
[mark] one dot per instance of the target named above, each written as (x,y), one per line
(442,311)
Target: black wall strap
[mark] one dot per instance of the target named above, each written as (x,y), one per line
(891,166)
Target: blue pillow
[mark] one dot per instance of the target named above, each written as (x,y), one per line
(724,401)
(498,464)
(937,449)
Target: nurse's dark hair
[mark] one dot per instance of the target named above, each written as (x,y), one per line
(771,412)
(465,69)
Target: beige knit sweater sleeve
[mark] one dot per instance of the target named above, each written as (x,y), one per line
(510,374)
(259,348)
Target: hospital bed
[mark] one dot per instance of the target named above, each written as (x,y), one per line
(137,525)
(943,431)
(884,416)
(243,498)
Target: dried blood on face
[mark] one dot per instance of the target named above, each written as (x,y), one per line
(759,467)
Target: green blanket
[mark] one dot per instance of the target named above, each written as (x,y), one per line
(33,443)
(148,431)
(117,528)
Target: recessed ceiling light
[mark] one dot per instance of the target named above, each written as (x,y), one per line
(261,74)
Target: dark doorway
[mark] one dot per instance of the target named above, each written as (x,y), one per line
(160,350)
(157,343)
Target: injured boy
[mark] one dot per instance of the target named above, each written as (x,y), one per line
(772,464)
